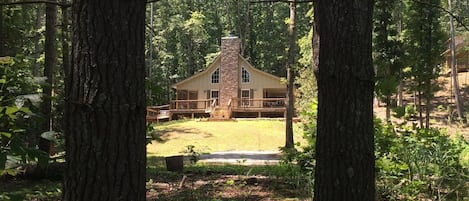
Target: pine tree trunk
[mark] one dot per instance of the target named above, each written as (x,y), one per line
(420,108)
(454,72)
(345,136)
(105,102)
(65,39)
(1,32)
(400,91)
(37,42)
(388,109)
(50,63)
(428,106)
(289,143)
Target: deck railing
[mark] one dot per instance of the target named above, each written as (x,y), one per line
(259,102)
(209,104)
(201,104)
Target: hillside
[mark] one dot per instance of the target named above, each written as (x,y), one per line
(443,98)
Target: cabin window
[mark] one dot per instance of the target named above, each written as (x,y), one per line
(245,77)
(216,76)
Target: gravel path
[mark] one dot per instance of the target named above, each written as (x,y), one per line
(242,157)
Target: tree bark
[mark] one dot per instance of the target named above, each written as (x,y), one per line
(50,63)
(345,135)
(454,71)
(65,39)
(105,102)
(1,32)
(289,143)
(37,38)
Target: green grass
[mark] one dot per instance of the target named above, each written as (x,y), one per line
(209,136)
(30,190)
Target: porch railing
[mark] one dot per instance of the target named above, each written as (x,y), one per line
(259,102)
(201,104)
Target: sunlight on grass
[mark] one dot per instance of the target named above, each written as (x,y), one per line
(208,136)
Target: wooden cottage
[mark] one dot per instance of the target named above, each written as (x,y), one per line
(462,54)
(230,87)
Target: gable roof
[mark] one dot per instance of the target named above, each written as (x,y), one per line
(211,66)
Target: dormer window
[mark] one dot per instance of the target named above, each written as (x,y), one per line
(245,77)
(216,76)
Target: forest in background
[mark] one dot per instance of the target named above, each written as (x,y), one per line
(183,36)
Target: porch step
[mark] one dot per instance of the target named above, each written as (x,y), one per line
(220,114)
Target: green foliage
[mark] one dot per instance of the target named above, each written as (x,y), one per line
(194,155)
(304,159)
(13,114)
(186,35)
(411,164)
(407,112)
(424,41)
(418,164)
(387,48)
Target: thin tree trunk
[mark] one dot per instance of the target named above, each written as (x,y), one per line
(388,109)
(400,87)
(345,135)
(420,108)
(105,102)
(37,38)
(454,72)
(150,60)
(1,32)
(50,63)
(315,44)
(289,143)
(65,40)
(428,105)
(400,91)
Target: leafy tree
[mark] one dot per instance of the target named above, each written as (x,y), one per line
(16,116)
(424,41)
(387,51)
(345,162)
(105,102)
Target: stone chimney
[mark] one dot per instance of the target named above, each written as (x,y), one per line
(229,74)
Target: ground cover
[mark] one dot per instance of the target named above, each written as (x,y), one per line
(172,138)
(202,182)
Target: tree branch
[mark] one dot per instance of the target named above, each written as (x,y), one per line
(444,10)
(284,1)
(36,2)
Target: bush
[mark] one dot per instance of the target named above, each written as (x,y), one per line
(416,164)
(16,86)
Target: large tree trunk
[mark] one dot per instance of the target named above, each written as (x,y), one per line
(345,136)
(290,78)
(105,102)
(50,63)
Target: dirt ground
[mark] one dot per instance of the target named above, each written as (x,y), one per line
(443,98)
(221,186)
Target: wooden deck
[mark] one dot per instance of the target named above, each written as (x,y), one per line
(265,107)
(157,113)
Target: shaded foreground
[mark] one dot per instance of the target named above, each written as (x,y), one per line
(226,182)
(201,182)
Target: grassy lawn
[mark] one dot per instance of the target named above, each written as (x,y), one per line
(209,136)
(204,182)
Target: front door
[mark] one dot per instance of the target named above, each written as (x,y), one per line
(245,96)
(214,94)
